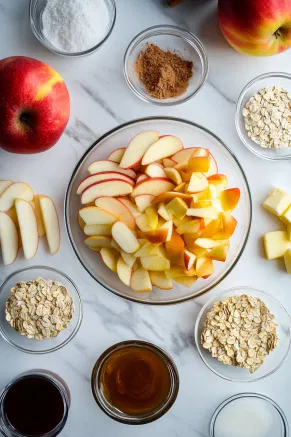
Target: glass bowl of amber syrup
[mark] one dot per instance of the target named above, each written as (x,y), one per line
(135,382)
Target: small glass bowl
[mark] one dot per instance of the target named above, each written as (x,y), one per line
(272,362)
(173,38)
(30,345)
(269,79)
(36,8)
(278,412)
(118,415)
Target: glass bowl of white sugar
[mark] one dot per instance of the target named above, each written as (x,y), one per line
(72,28)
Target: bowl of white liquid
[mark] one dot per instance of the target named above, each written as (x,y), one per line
(249,415)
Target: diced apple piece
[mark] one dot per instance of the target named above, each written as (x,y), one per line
(152,217)
(100,166)
(219,181)
(207,194)
(130,205)
(160,235)
(155,263)
(98,241)
(209,212)
(229,198)
(28,227)
(36,206)
(97,230)
(142,223)
(102,176)
(170,195)
(174,175)
(51,223)
(287,260)
(178,222)
(182,157)
(163,148)
(277,202)
(111,187)
(138,147)
(204,267)
(4,185)
(143,201)
(117,155)
(186,280)
(198,164)
(213,169)
(162,211)
(117,209)
(159,279)
(147,249)
(155,170)
(124,271)
(276,243)
(96,216)
(229,224)
(8,239)
(175,248)
(128,258)
(109,257)
(191,226)
(124,237)
(286,216)
(169,162)
(212,228)
(140,281)
(200,151)
(18,190)
(198,182)
(209,243)
(189,259)
(180,188)
(177,207)
(218,253)
(154,186)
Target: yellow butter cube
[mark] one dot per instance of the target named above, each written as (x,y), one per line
(177,207)
(276,243)
(277,202)
(286,216)
(287,259)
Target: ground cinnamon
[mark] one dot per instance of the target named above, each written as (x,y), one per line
(164,74)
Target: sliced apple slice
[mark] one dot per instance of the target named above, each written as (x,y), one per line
(218,253)
(117,155)
(102,176)
(186,280)
(169,162)
(36,206)
(117,209)
(189,259)
(155,263)
(98,241)
(28,227)
(146,249)
(170,195)
(213,168)
(18,190)
(209,212)
(130,205)
(142,223)
(174,175)
(159,279)
(209,243)
(152,217)
(218,180)
(198,164)
(189,227)
(177,207)
(97,230)
(175,248)
(163,212)
(229,198)
(12,214)
(163,148)
(8,239)
(160,235)
(96,216)
(51,223)
(204,267)
(212,228)
(228,225)
(154,186)
(137,148)
(100,166)
(4,185)
(155,170)
(140,281)
(198,182)
(141,177)
(128,258)
(124,271)
(143,201)
(182,157)
(125,238)
(109,257)
(111,187)
(180,188)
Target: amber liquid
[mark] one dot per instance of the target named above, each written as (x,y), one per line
(33,405)
(135,380)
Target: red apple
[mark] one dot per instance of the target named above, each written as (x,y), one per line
(34,105)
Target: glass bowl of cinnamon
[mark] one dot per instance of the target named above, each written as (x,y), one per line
(165,65)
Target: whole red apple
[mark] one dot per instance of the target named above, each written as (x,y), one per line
(34,105)
(256,27)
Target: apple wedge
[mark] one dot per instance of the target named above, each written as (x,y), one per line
(130,205)
(124,271)
(209,243)
(189,227)
(229,198)
(141,177)
(146,249)
(198,182)
(143,201)
(36,206)
(97,230)
(170,195)
(18,190)
(218,253)
(98,241)
(116,155)
(28,227)
(163,148)
(100,166)
(159,279)
(228,224)
(152,217)
(128,258)
(182,157)
(117,209)
(96,216)
(109,257)
(163,212)
(175,248)
(155,170)
(4,185)
(111,187)
(125,238)
(160,235)
(102,176)
(189,259)
(198,164)
(155,263)
(12,214)
(51,223)
(208,212)
(154,186)
(8,239)
(138,147)
(140,281)
(204,267)
(186,280)
(174,175)
(177,207)
(169,162)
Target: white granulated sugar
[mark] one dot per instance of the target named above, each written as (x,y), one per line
(75,25)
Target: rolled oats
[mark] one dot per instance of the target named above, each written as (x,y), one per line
(39,309)
(240,331)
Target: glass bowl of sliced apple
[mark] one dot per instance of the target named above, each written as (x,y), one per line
(158,210)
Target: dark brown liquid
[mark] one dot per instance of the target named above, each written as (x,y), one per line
(135,380)
(33,405)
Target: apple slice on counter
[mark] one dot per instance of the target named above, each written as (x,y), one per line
(137,148)
(100,166)
(117,209)
(18,190)
(4,185)
(102,176)
(140,281)
(111,187)
(36,206)
(116,155)
(155,170)
(163,148)
(96,216)
(8,239)
(125,238)
(154,186)
(143,201)
(28,227)
(51,223)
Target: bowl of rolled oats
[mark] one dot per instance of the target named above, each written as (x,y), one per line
(40,310)
(263,116)
(243,335)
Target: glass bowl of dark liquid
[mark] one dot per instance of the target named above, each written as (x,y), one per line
(36,403)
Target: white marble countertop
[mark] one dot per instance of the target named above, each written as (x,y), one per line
(101,100)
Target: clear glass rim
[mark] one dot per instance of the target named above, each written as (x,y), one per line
(239,109)
(166,30)
(246,395)
(219,297)
(79,302)
(124,418)
(75,54)
(70,235)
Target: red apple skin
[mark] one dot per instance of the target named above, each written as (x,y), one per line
(256,27)
(34,105)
